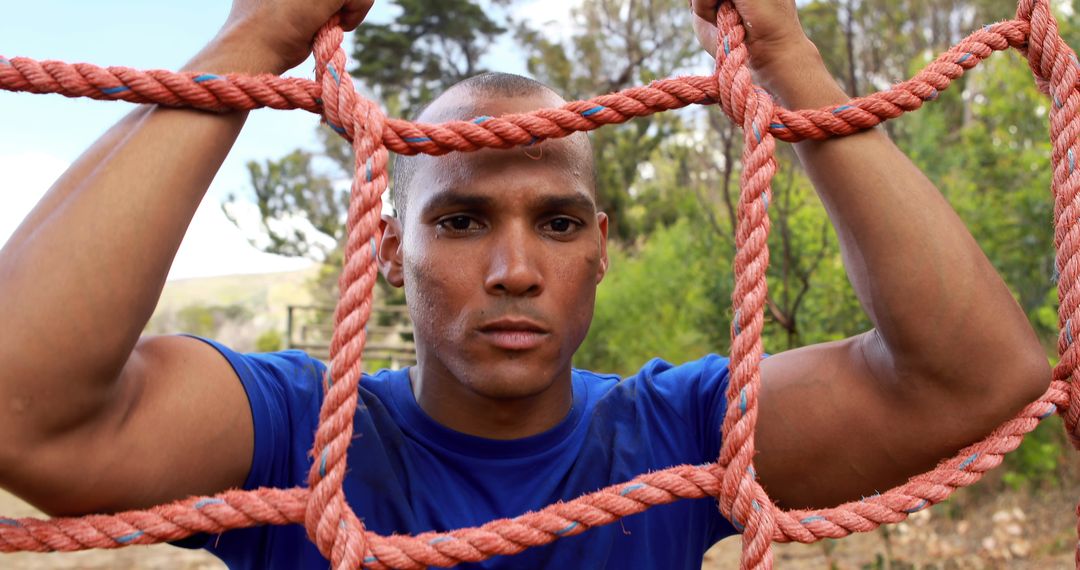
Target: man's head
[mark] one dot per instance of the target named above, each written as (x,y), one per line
(499,251)
(465,100)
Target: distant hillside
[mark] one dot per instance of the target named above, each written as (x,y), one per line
(235,309)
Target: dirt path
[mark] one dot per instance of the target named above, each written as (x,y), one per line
(972,531)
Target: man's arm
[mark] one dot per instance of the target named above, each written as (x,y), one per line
(951,356)
(95,419)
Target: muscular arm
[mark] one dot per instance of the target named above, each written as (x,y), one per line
(951,355)
(95,419)
(81,278)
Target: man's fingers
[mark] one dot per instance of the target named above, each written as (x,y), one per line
(705,23)
(705,9)
(707,34)
(354,12)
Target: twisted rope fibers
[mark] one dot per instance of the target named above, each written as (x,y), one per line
(322,508)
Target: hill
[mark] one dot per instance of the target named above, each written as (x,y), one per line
(237,310)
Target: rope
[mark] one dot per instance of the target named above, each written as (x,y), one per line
(322,508)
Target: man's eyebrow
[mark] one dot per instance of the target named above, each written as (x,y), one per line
(567,202)
(448,200)
(458,200)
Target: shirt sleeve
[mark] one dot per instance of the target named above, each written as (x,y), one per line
(284,390)
(696,392)
(686,406)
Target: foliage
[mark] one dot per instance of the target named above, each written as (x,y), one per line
(430,46)
(870,43)
(996,172)
(299,210)
(616,44)
(270,341)
(638,313)
(1038,461)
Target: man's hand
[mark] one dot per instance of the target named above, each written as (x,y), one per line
(282,31)
(773,26)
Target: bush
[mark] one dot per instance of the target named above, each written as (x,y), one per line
(654,302)
(269,341)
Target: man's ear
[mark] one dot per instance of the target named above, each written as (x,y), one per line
(389,254)
(602,224)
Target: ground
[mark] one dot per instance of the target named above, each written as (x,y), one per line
(975,530)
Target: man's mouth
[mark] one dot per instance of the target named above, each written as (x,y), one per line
(514,334)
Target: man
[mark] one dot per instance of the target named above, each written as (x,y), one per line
(499,254)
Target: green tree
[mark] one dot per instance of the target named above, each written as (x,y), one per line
(612,45)
(878,39)
(269,341)
(291,188)
(654,302)
(986,145)
(810,299)
(430,46)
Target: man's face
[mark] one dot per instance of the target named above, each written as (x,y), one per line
(500,254)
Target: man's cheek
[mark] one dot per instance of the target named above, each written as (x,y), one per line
(435,288)
(418,293)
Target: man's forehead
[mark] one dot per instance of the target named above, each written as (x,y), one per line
(535,174)
(462,103)
(561,165)
(557,158)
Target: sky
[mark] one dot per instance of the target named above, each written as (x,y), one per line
(40,135)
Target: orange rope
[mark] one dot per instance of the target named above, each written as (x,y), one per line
(322,508)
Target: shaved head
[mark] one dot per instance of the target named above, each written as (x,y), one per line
(488,94)
(489,237)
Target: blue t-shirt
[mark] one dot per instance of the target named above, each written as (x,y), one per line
(408,474)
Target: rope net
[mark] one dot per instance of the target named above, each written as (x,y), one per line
(322,508)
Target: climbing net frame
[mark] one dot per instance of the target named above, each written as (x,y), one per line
(322,508)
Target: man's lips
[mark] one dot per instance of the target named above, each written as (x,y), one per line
(514,334)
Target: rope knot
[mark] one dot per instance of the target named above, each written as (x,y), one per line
(1047,53)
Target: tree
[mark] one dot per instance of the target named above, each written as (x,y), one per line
(429,47)
(290,185)
(615,44)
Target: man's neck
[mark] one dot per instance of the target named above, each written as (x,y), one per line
(455,405)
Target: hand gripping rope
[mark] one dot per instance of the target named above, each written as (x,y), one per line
(322,508)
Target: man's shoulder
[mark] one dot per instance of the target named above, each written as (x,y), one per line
(710,365)
(689,384)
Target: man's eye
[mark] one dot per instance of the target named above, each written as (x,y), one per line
(459,223)
(562,225)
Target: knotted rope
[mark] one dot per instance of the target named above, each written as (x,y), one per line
(322,508)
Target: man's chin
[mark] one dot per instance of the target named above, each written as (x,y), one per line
(517,377)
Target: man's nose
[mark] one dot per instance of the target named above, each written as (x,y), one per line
(514,265)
